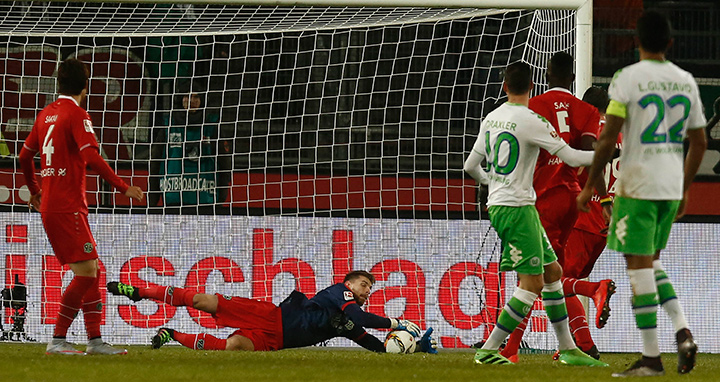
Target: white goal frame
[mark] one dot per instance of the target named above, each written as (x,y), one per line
(583,20)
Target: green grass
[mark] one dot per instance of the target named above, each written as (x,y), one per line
(28,362)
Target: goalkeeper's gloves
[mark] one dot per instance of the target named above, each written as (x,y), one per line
(406,325)
(427,344)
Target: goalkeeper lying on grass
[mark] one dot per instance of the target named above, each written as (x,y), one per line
(298,321)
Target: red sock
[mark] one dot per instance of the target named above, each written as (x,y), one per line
(513,344)
(578,322)
(170,295)
(70,303)
(92,309)
(581,287)
(200,341)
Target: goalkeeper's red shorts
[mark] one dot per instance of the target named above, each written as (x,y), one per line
(260,321)
(582,250)
(70,237)
(558,213)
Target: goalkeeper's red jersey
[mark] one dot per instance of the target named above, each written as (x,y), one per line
(572,119)
(61,131)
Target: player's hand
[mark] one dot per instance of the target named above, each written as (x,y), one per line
(34,202)
(681,208)
(607,213)
(134,192)
(405,325)
(583,198)
(427,344)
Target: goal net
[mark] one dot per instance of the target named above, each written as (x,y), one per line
(280,148)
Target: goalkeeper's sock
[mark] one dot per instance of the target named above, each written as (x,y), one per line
(513,344)
(200,341)
(667,297)
(578,323)
(169,295)
(70,303)
(645,302)
(511,316)
(92,309)
(554,302)
(581,287)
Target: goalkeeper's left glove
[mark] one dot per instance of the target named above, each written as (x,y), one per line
(406,325)
(427,344)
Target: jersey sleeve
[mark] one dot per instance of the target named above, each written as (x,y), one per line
(615,91)
(368,341)
(365,319)
(31,142)
(544,135)
(592,122)
(696,119)
(83,133)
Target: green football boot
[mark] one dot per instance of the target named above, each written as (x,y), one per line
(575,357)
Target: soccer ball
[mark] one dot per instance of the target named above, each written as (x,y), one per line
(400,342)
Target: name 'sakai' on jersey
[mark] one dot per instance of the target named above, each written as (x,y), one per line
(61,130)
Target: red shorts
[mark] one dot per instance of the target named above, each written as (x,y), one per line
(70,237)
(581,252)
(558,213)
(260,321)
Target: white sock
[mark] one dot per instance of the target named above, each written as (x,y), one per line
(643,284)
(561,327)
(672,306)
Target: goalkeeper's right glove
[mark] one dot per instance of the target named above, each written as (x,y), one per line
(406,325)
(427,344)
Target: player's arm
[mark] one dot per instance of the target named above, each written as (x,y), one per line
(367,340)
(544,136)
(369,320)
(92,157)
(588,142)
(27,153)
(696,151)
(473,164)
(604,149)
(575,158)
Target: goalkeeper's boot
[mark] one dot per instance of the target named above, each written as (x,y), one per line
(645,367)
(97,346)
(163,336)
(60,346)
(490,357)
(687,349)
(120,289)
(575,357)
(601,298)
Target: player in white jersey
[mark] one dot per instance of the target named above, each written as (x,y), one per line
(509,142)
(657,105)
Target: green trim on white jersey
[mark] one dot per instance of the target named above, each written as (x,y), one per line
(510,139)
(662,103)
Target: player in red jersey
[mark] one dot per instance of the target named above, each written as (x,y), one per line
(64,136)
(556,185)
(298,321)
(588,237)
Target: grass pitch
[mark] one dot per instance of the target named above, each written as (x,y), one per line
(28,362)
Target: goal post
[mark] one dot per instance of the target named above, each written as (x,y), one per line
(331,137)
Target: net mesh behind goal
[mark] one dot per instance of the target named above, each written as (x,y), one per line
(280,148)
